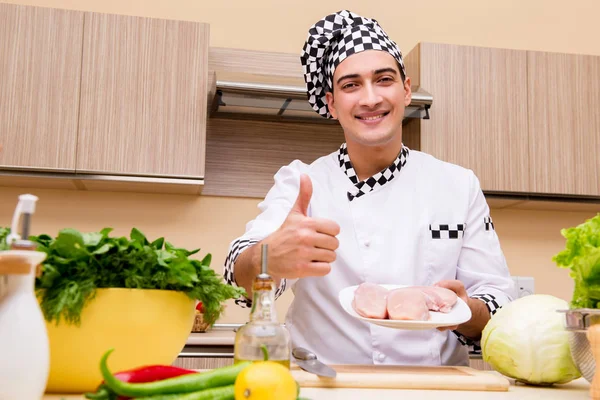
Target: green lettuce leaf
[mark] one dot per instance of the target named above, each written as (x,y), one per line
(582,256)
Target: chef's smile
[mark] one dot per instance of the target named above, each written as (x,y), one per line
(372,118)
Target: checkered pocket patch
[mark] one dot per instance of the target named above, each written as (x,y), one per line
(447,231)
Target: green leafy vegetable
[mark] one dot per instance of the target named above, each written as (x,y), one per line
(79,263)
(582,256)
(3,234)
(526,340)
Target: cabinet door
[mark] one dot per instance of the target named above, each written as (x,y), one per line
(143,96)
(40,71)
(564,123)
(479,111)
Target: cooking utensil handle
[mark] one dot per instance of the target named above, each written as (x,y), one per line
(593,334)
(303,354)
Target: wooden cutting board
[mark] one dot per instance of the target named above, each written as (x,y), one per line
(404,377)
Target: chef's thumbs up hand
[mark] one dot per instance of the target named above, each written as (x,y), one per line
(304,195)
(302,246)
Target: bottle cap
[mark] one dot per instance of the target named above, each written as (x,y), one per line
(25,207)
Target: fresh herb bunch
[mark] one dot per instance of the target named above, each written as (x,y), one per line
(79,263)
(582,256)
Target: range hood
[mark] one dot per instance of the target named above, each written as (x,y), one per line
(253,96)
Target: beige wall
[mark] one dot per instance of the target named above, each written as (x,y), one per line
(529,238)
(275,25)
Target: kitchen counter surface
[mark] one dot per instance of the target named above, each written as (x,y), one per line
(579,389)
(213,337)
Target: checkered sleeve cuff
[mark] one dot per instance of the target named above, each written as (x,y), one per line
(236,249)
(490,302)
(465,341)
(493,306)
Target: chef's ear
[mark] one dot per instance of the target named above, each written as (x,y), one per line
(407,92)
(331,104)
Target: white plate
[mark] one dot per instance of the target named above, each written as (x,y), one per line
(459,314)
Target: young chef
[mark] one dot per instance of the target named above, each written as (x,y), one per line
(373,211)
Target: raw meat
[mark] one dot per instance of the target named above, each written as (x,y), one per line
(370,301)
(438,298)
(407,304)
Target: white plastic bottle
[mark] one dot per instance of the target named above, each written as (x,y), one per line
(24,348)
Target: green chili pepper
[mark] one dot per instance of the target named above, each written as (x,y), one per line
(219,393)
(223,376)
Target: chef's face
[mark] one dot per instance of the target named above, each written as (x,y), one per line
(369,98)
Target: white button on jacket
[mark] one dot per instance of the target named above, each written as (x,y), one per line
(425,225)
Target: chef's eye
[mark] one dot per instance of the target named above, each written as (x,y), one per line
(349,85)
(386,79)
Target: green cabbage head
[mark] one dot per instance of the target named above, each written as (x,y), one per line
(526,340)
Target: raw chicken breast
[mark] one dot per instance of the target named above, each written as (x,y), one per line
(407,304)
(438,298)
(370,301)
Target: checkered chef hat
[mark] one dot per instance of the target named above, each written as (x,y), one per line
(330,41)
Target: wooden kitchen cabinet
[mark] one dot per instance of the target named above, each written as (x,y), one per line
(40,68)
(479,111)
(564,123)
(143,97)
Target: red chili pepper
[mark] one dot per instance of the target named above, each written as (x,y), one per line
(200,307)
(149,373)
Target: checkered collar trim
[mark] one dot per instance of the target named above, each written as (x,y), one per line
(379,179)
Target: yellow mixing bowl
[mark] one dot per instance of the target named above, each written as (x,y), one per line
(144,327)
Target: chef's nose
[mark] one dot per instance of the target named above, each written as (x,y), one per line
(370,96)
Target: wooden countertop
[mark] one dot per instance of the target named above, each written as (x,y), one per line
(213,337)
(578,389)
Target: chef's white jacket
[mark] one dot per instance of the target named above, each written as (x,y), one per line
(416,223)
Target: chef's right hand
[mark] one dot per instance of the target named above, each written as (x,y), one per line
(302,246)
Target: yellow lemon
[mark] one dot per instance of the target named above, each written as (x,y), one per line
(265,380)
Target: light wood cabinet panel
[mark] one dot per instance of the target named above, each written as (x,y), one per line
(564,123)
(143,96)
(243,156)
(40,70)
(254,62)
(479,111)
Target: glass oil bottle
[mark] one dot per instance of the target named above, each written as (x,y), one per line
(263,330)
(24,345)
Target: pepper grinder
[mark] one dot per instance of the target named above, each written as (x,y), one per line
(24,347)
